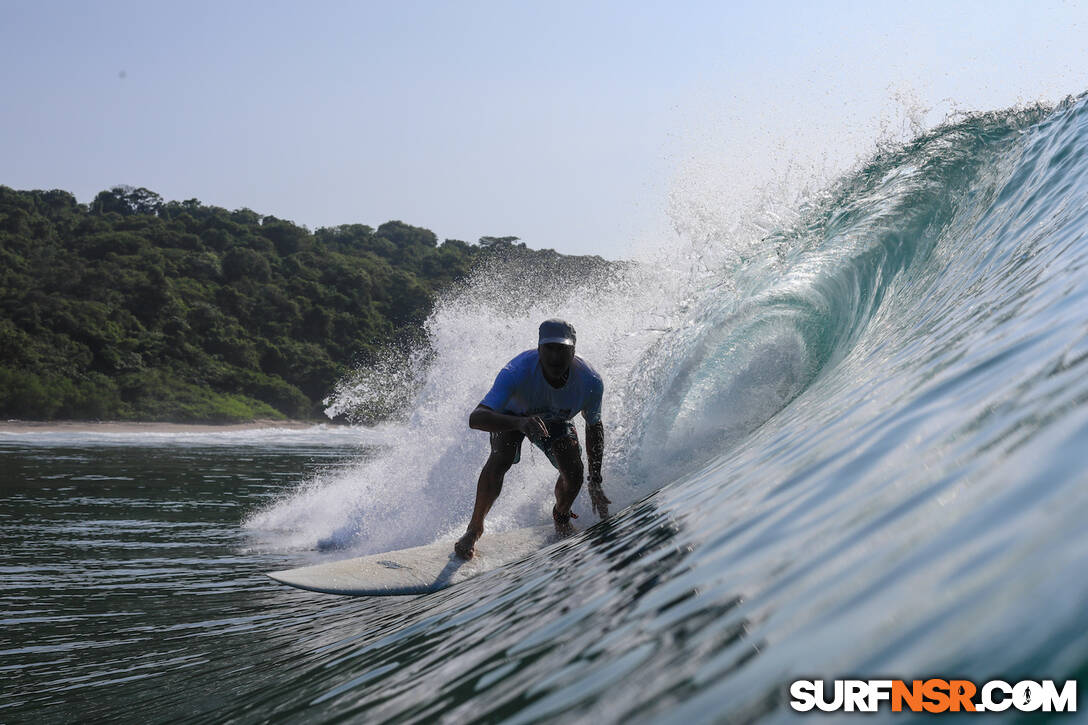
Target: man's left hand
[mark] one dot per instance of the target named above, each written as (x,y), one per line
(597,498)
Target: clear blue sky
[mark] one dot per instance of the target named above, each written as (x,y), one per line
(569,124)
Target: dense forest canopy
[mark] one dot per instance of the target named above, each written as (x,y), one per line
(132,307)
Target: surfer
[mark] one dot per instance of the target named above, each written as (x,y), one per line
(535,396)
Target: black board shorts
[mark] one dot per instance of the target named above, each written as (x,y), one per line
(558,430)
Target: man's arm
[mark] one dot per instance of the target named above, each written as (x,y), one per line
(485,419)
(595,454)
(595,448)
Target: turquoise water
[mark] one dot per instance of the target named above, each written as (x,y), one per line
(854,446)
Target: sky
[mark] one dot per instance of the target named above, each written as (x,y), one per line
(587,127)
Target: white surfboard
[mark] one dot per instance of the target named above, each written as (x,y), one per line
(419,569)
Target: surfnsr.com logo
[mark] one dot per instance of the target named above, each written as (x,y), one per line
(933,695)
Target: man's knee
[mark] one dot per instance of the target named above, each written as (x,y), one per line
(500,461)
(568,459)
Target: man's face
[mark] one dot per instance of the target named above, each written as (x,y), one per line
(555,358)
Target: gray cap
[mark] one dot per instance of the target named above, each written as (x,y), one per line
(559,331)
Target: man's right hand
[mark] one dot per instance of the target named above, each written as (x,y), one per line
(533,427)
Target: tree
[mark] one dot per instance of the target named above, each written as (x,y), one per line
(405,235)
(126,201)
(240,263)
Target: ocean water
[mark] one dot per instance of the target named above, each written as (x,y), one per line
(846,438)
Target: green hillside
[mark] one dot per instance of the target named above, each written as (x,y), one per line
(133,308)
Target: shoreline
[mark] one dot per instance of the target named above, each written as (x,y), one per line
(90,426)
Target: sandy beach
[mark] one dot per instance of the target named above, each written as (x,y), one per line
(78,426)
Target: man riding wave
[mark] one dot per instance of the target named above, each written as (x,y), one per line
(535,396)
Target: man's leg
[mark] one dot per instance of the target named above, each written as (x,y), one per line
(568,459)
(504,449)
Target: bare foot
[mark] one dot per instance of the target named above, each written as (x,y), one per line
(563,526)
(466,545)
